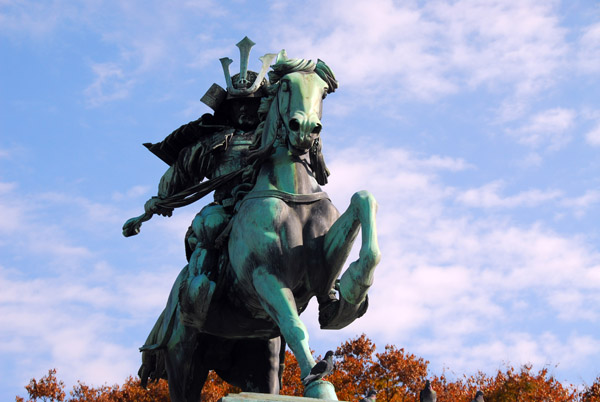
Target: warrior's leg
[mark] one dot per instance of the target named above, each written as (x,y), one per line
(195,293)
(197,290)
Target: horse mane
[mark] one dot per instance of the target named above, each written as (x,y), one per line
(269,119)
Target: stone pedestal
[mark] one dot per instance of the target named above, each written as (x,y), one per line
(323,388)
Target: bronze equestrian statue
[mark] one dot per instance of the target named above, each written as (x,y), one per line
(269,242)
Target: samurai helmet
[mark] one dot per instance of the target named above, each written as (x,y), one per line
(246,83)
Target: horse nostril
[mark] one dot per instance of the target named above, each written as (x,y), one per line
(317,129)
(294,125)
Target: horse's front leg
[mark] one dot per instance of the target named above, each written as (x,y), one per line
(278,301)
(358,278)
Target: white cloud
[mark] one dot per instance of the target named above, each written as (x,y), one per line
(593,136)
(424,53)
(589,49)
(373,46)
(133,192)
(488,196)
(570,305)
(31,18)
(548,129)
(144,37)
(7,187)
(453,281)
(515,349)
(498,42)
(532,159)
(12,212)
(79,320)
(110,84)
(383,49)
(60,322)
(583,203)
(463,290)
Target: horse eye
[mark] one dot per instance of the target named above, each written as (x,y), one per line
(285,86)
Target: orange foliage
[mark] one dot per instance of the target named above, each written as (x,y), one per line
(527,386)
(592,393)
(398,375)
(510,385)
(47,389)
(395,374)
(131,390)
(352,375)
(215,388)
(291,384)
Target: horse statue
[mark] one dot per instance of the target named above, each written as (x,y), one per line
(285,243)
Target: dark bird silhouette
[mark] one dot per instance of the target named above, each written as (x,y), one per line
(427,394)
(478,397)
(370,396)
(320,370)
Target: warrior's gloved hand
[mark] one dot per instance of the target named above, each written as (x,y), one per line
(153,207)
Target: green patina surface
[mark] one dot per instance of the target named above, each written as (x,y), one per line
(269,242)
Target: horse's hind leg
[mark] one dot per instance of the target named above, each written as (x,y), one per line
(186,372)
(254,365)
(357,279)
(278,301)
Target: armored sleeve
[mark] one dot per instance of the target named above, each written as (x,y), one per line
(194,163)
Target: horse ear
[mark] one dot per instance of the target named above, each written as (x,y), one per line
(323,71)
(281,57)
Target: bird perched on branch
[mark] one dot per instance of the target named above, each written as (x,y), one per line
(427,394)
(320,370)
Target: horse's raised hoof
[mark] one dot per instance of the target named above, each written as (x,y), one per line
(320,389)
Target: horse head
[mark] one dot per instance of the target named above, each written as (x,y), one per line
(300,104)
(293,110)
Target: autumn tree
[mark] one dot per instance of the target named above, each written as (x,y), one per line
(512,385)
(591,393)
(291,384)
(398,375)
(451,391)
(394,373)
(525,385)
(131,390)
(352,376)
(47,389)
(215,388)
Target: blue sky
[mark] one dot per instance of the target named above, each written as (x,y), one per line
(476,124)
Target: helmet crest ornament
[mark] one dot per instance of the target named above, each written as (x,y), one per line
(241,86)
